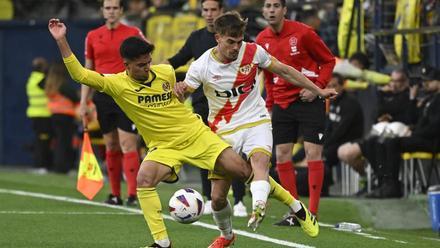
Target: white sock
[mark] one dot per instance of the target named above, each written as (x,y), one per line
(163,242)
(295,206)
(260,191)
(223,220)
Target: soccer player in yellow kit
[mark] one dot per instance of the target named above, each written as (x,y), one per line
(174,134)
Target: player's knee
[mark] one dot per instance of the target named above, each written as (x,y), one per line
(245,172)
(128,145)
(218,201)
(112,146)
(283,154)
(345,152)
(144,181)
(313,154)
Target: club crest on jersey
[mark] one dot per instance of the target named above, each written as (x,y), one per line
(166,86)
(293,41)
(246,69)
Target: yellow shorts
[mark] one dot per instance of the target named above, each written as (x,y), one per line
(199,150)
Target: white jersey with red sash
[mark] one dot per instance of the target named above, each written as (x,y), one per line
(232,89)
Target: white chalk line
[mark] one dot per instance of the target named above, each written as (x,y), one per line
(137,211)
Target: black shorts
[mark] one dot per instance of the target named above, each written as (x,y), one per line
(306,119)
(110,115)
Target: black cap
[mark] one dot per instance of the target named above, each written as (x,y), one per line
(429,73)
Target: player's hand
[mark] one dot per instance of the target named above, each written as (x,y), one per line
(84,114)
(57,28)
(328,93)
(180,89)
(306,95)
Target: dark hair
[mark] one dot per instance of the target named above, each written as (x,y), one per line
(283,3)
(220,3)
(362,58)
(340,79)
(230,23)
(402,72)
(134,47)
(121,3)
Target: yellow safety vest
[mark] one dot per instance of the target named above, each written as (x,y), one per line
(36,96)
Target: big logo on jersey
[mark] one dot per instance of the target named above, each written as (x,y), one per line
(242,89)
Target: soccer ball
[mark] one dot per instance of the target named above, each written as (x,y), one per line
(186,206)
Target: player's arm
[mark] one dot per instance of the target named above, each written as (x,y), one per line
(320,53)
(294,77)
(183,55)
(182,90)
(85,94)
(76,70)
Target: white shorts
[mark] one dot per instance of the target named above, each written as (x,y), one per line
(250,140)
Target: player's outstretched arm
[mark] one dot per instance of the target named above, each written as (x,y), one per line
(76,70)
(294,77)
(58,31)
(182,91)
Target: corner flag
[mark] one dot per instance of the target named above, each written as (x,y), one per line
(90,179)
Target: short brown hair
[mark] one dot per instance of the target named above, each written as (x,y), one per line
(230,23)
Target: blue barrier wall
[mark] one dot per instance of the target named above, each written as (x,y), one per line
(20,42)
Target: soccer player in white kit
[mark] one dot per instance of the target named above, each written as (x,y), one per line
(237,113)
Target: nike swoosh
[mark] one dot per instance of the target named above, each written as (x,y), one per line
(142,87)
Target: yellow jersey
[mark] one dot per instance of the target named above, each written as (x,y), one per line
(159,116)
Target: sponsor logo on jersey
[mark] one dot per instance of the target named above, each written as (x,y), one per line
(308,73)
(156,98)
(242,89)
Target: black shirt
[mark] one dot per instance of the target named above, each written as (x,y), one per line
(345,120)
(396,105)
(197,43)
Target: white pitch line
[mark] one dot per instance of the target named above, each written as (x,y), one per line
(132,210)
(433,239)
(64,213)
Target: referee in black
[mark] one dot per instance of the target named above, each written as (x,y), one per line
(197,43)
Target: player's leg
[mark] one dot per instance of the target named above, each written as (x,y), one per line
(315,167)
(301,214)
(285,133)
(113,158)
(149,175)
(113,154)
(128,140)
(206,190)
(259,187)
(222,213)
(312,125)
(233,165)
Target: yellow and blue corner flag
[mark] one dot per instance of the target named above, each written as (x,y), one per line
(90,179)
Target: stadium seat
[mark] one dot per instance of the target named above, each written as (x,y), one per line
(183,25)
(158,27)
(411,178)
(161,51)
